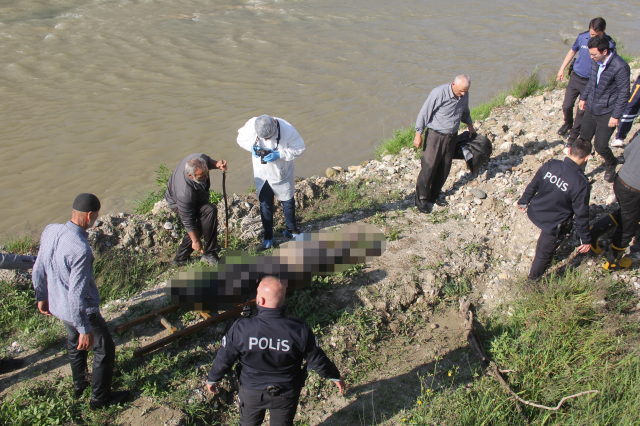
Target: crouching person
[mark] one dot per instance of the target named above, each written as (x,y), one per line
(625,220)
(270,348)
(188,195)
(558,191)
(65,288)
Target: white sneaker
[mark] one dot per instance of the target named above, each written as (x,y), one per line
(617,143)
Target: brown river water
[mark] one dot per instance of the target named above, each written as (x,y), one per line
(95,94)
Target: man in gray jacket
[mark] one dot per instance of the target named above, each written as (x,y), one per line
(441,114)
(188,196)
(605,99)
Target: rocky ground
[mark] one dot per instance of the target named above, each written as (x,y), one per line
(402,326)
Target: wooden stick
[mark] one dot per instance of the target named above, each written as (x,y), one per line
(190,330)
(226,210)
(145,318)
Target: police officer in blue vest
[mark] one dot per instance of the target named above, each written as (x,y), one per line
(270,348)
(578,77)
(558,191)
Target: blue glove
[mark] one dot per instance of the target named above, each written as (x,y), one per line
(272,157)
(253,151)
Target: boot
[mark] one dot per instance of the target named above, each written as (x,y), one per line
(615,259)
(605,224)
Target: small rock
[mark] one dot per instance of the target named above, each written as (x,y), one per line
(392,170)
(478,193)
(510,100)
(387,158)
(355,169)
(434,326)
(338,169)
(168,226)
(503,276)
(477,200)
(519,117)
(174,234)
(611,199)
(505,146)
(331,173)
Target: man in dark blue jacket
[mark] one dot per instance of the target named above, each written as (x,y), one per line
(270,348)
(557,192)
(605,99)
(578,77)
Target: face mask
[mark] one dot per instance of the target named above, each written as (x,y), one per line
(200,186)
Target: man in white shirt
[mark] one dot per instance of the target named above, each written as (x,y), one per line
(274,144)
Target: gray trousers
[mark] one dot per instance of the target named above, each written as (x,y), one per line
(16,261)
(435,160)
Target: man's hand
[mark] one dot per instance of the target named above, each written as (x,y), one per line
(613,122)
(222,165)
(85,342)
(341,385)
(43,307)
(213,388)
(472,131)
(417,141)
(522,209)
(584,248)
(581,105)
(560,75)
(196,244)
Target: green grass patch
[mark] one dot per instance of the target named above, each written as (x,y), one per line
(20,319)
(561,339)
(345,198)
(119,273)
(22,244)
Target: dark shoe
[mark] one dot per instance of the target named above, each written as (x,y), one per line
(610,173)
(115,398)
(564,129)
(424,209)
(78,389)
(180,262)
(570,142)
(440,202)
(291,234)
(8,365)
(620,159)
(210,258)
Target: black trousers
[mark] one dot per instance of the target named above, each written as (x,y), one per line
(254,404)
(207,224)
(435,160)
(627,216)
(598,126)
(104,355)
(266,211)
(574,90)
(546,248)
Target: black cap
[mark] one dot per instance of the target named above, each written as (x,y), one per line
(86,203)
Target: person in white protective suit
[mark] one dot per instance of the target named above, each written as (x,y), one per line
(274,144)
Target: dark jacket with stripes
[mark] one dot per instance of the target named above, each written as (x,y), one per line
(612,93)
(630,112)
